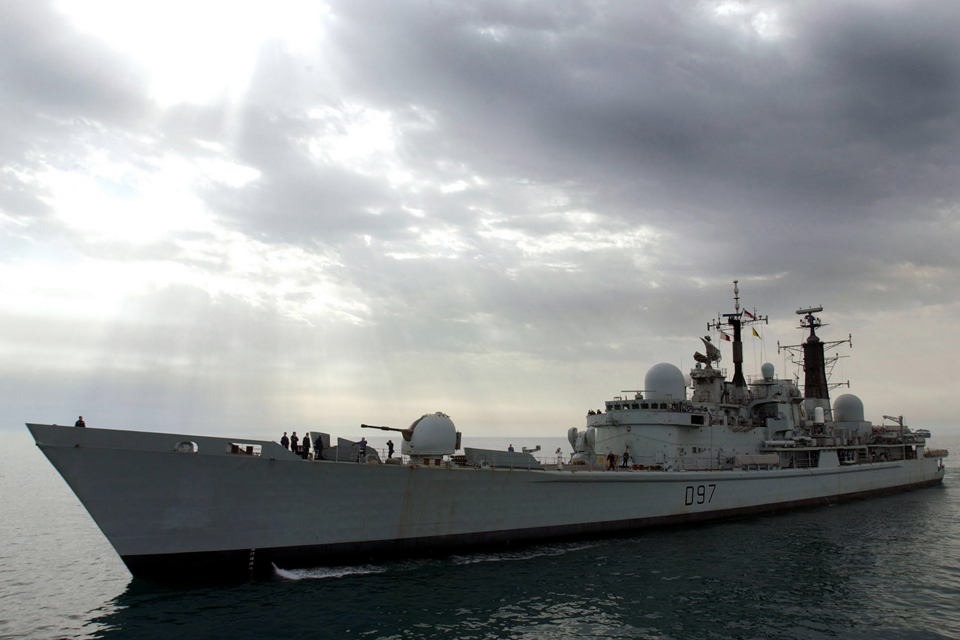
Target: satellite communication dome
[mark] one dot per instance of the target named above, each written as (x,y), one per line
(433,435)
(847,408)
(664,381)
(767,370)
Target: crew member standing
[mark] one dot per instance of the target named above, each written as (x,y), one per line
(80,422)
(389,448)
(306,446)
(294,443)
(362,445)
(611,461)
(318,447)
(626,459)
(285,441)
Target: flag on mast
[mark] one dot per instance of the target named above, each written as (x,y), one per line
(752,317)
(755,333)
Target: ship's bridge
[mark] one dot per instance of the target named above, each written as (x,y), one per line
(624,412)
(619,404)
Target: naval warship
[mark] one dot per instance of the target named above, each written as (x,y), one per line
(188,508)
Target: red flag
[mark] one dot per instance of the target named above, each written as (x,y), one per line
(749,315)
(725,336)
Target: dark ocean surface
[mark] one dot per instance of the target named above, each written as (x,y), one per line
(887,567)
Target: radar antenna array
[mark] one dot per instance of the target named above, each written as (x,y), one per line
(734,322)
(743,316)
(812,323)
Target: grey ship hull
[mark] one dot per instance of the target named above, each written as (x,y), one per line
(213,515)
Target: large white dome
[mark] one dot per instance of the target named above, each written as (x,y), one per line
(847,408)
(433,434)
(664,382)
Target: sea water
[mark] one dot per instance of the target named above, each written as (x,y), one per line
(886,567)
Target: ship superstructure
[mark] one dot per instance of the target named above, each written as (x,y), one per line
(723,425)
(188,508)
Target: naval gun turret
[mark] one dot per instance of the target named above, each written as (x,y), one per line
(430,437)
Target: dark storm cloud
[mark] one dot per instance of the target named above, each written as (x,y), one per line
(808,153)
(816,119)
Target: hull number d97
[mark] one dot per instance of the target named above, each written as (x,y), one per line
(702,493)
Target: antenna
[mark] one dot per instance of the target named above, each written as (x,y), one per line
(816,366)
(735,322)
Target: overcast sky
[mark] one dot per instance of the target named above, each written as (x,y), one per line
(224,217)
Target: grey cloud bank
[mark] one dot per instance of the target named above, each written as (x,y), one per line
(506,212)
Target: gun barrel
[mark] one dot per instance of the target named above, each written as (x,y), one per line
(370,426)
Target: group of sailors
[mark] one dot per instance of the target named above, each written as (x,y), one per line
(302,447)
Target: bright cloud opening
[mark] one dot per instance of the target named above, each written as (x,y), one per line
(196,51)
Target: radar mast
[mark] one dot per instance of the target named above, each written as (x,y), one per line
(816,390)
(734,322)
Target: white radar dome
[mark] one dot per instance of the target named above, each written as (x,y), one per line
(767,370)
(847,408)
(664,381)
(432,434)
